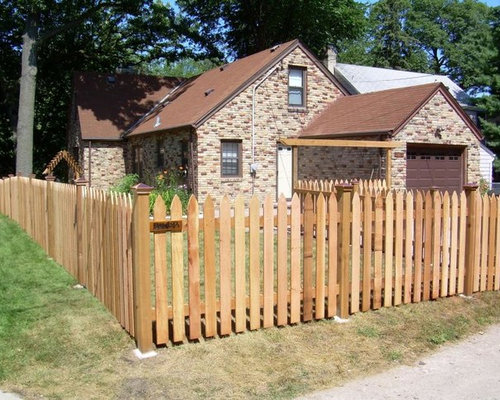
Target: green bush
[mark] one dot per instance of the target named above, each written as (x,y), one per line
(168,184)
(125,184)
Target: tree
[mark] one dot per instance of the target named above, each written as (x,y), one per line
(392,46)
(68,35)
(491,103)
(243,27)
(447,37)
(456,37)
(185,67)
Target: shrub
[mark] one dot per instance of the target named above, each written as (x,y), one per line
(168,184)
(125,184)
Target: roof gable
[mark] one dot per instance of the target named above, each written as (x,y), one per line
(109,104)
(382,112)
(200,98)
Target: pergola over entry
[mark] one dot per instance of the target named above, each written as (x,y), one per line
(373,144)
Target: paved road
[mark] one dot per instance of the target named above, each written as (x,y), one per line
(468,370)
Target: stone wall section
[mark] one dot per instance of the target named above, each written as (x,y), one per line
(108,162)
(173,157)
(436,123)
(273,119)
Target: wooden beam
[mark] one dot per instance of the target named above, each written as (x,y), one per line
(388,168)
(341,143)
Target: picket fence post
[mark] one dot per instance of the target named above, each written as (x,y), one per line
(470,238)
(141,264)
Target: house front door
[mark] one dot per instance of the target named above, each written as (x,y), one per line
(284,171)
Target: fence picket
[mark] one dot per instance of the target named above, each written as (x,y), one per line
(367,252)
(409,256)
(295,239)
(378,248)
(428,246)
(491,241)
(417,254)
(398,250)
(254,264)
(225,266)
(268,272)
(496,285)
(177,273)
(209,263)
(332,255)
(462,241)
(160,265)
(308,258)
(239,264)
(389,257)
(320,257)
(445,257)
(453,245)
(484,242)
(436,244)
(193,225)
(355,264)
(282,276)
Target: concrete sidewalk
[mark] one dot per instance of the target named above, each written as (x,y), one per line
(466,370)
(8,396)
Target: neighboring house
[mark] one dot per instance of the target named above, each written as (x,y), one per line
(362,79)
(226,127)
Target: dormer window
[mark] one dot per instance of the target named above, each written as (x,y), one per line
(296,87)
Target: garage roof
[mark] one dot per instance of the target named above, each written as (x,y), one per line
(383,112)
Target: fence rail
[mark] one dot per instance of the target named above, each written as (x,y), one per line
(236,266)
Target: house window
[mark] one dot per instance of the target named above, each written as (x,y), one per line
(230,158)
(296,85)
(137,160)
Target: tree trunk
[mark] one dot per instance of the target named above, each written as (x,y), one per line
(26,114)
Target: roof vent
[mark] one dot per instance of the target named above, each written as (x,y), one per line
(158,122)
(208,92)
(223,67)
(111,79)
(274,48)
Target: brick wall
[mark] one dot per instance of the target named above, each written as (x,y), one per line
(108,162)
(341,162)
(273,118)
(437,113)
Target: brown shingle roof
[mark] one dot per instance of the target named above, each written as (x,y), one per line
(106,109)
(376,112)
(211,90)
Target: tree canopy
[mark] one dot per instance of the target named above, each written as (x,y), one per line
(458,38)
(446,37)
(243,27)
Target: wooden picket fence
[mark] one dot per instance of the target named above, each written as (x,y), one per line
(85,230)
(233,266)
(237,268)
(315,187)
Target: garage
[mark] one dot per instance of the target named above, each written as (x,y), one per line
(435,166)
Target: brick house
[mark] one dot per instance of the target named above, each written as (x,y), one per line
(227,126)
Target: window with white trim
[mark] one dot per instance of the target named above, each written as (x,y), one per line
(230,158)
(296,87)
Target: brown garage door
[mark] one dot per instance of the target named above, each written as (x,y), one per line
(434,167)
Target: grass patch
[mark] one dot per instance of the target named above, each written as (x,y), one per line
(60,343)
